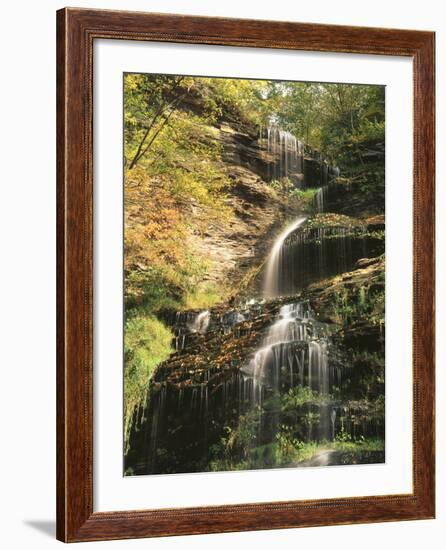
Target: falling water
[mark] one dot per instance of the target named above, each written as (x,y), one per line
(287,159)
(294,353)
(305,254)
(184,413)
(328,188)
(271,285)
(306,362)
(189,325)
(319,200)
(201,322)
(287,151)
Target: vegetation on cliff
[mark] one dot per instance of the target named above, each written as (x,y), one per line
(201,213)
(176,183)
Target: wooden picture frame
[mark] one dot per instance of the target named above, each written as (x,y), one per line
(76,31)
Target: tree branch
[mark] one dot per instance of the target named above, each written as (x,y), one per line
(161,109)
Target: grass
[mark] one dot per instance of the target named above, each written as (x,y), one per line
(202,297)
(147,343)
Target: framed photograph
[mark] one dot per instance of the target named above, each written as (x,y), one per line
(245,275)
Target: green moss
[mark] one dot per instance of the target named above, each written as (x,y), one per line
(147,343)
(319,221)
(152,290)
(203,296)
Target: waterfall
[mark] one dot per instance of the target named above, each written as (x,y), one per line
(303,254)
(201,322)
(286,159)
(328,188)
(293,353)
(319,200)
(188,404)
(271,285)
(287,152)
(307,361)
(189,325)
(235,360)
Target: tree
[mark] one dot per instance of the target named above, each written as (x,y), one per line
(150,102)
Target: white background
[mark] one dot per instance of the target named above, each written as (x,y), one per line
(28,271)
(112,491)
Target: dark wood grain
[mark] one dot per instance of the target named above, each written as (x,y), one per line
(76,31)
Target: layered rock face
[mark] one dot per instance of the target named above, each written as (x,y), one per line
(251,161)
(212,379)
(321,329)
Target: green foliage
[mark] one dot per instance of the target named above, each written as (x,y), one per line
(300,198)
(173,165)
(242,448)
(284,186)
(299,396)
(306,196)
(346,122)
(342,436)
(358,446)
(176,189)
(366,301)
(152,290)
(147,343)
(288,451)
(291,450)
(367,181)
(203,296)
(233,450)
(364,381)
(173,169)
(339,119)
(240,99)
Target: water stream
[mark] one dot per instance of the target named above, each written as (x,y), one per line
(294,353)
(287,151)
(288,159)
(272,271)
(187,407)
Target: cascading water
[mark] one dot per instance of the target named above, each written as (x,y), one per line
(287,160)
(287,152)
(272,275)
(294,353)
(327,189)
(189,325)
(189,403)
(185,325)
(201,322)
(186,409)
(305,254)
(319,200)
(315,253)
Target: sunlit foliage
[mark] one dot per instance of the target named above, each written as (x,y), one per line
(147,343)
(176,185)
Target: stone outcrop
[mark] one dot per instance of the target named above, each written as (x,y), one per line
(240,245)
(204,387)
